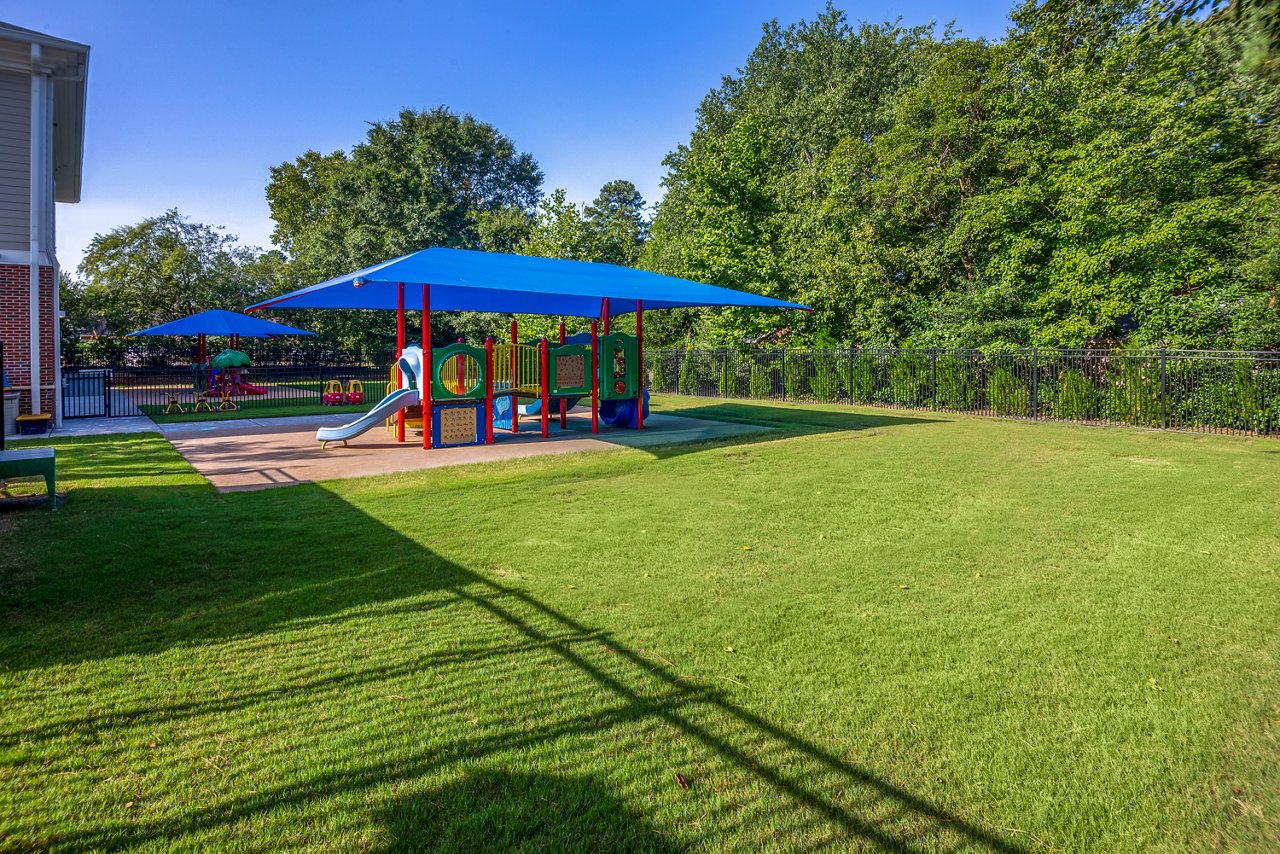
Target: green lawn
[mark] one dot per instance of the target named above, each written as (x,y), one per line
(250,408)
(891,630)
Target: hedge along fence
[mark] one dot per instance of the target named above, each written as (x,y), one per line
(1203,391)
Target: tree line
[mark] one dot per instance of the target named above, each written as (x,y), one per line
(1105,174)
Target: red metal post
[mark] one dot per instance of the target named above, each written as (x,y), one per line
(564,409)
(488,390)
(399,353)
(595,378)
(543,347)
(604,314)
(640,364)
(428,366)
(459,371)
(515,398)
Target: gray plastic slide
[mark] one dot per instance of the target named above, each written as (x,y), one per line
(388,406)
(410,370)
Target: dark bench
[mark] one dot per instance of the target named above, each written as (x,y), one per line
(31,462)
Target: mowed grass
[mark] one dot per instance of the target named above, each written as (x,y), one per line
(250,408)
(863,629)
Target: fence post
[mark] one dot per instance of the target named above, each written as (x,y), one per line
(933,378)
(1035,383)
(849,384)
(783,351)
(1164,389)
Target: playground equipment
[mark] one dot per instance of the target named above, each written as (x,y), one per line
(469,391)
(333,394)
(227,381)
(465,280)
(403,397)
(355,392)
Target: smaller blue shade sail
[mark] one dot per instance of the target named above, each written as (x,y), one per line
(466,280)
(226,323)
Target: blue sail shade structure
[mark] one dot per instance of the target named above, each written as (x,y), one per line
(465,280)
(440,279)
(224,323)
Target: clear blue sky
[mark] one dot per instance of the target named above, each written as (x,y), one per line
(190,103)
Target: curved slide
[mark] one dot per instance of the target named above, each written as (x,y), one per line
(405,396)
(388,406)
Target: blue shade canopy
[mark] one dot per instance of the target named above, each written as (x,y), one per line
(465,280)
(219,322)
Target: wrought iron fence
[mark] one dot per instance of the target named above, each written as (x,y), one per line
(160,391)
(1202,391)
(169,352)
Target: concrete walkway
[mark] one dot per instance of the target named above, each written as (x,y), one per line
(143,424)
(105,426)
(246,454)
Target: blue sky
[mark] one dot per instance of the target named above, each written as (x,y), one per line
(190,103)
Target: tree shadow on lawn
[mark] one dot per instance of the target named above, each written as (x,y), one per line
(801,418)
(491,677)
(502,811)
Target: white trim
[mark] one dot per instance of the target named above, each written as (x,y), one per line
(39,101)
(14,258)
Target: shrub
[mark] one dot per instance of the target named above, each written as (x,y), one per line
(1077,399)
(826,376)
(793,375)
(862,379)
(727,381)
(909,378)
(956,389)
(1133,393)
(657,378)
(761,384)
(1006,395)
(687,383)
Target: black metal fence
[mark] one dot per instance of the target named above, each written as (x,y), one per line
(122,391)
(1202,391)
(168,351)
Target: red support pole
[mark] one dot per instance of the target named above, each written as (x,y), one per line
(595,378)
(460,373)
(488,390)
(515,366)
(604,314)
(564,409)
(399,353)
(640,364)
(428,366)
(546,389)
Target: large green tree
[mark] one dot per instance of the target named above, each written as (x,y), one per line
(424,179)
(1105,173)
(157,270)
(745,195)
(611,229)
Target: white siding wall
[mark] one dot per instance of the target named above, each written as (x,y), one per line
(15,161)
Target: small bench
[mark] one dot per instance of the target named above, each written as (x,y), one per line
(31,462)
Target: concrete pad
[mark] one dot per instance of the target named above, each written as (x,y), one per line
(101,426)
(246,454)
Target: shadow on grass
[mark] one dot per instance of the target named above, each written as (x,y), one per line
(493,811)
(800,419)
(501,677)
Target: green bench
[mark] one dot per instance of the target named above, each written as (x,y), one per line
(31,462)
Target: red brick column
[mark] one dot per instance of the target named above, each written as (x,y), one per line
(15,331)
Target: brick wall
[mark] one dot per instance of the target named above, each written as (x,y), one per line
(15,331)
